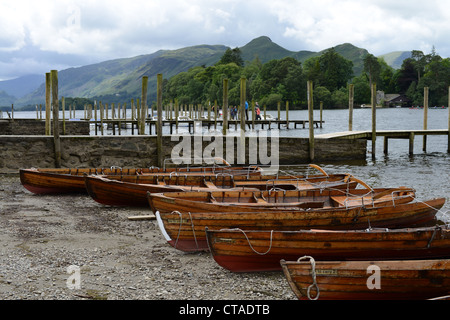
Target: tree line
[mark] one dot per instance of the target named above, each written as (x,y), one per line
(285,80)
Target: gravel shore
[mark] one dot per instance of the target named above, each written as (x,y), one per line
(113,258)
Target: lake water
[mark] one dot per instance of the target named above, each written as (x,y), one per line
(428,172)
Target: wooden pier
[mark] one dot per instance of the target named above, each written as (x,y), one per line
(387,134)
(236,123)
(117,125)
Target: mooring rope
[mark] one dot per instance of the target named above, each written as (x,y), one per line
(444,213)
(193,230)
(251,247)
(179,229)
(313,274)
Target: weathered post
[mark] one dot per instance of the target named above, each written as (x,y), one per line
(279,113)
(176,114)
(102,115)
(48,83)
(351,94)
(253,115)
(425,116)
(55,104)
(321,113)
(63,106)
(159,80)
(448,106)
(243,99)
(374,119)
(215,114)
(311,120)
(225,107)
(241,148)
(287,115)
(144,104)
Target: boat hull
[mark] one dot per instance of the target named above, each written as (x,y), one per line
(250,251)
(186,231)
(71,180)
(261,201)
(132,190)
(369,280)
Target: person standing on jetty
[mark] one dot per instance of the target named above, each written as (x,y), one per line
(246,110)
(257,112)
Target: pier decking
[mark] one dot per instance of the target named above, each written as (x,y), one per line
(387,134)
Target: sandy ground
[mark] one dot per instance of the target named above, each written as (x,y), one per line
(111,256)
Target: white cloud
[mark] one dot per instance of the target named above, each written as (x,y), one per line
(86,30)
(381,25)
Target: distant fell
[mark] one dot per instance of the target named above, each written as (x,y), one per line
(120,80)
(395,59)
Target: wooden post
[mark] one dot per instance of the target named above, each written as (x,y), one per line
(176,114)
(374,120)
(215,114)
(448,106)
(159,80)
(287,115)
(102,116)
(279,112)
(321,113)
(411,143)
(311,120)
(253,115)
(351,94)
(386,145)
(63,106)
(425,116)
(144,103)
(55,104)
(95,116)
(225,107)
(243,99)
(48,83)
(241,150)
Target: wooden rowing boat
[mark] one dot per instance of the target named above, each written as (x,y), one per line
(132,190)
(258,201)
(368,280)
(71,180)
(242,251)
(186,230)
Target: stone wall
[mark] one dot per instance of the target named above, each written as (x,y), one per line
(141,151)
(37,127)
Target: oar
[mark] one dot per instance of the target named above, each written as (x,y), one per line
(318,168)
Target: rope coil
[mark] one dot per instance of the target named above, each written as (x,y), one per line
(313,274)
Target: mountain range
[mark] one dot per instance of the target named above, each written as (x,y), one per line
(122,78)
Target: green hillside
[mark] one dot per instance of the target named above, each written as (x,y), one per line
(395,59)
(120,80)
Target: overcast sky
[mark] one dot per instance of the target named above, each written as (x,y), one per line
(37,36)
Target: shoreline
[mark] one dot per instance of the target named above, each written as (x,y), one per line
(118,258)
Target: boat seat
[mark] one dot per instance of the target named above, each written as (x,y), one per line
(209,184)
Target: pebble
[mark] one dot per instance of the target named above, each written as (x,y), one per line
(119,259)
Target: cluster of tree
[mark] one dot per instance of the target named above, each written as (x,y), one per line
(285,80)
(275,81)
(421,71)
